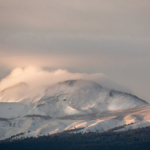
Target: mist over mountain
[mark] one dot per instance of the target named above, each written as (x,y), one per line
(14,93)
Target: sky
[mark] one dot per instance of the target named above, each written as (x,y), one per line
(109,37)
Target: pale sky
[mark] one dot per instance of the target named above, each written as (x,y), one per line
(111,37)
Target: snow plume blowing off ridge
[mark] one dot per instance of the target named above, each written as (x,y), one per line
(39,78)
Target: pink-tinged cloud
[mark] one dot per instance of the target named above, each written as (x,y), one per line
(38,78)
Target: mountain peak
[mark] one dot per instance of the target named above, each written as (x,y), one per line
(87,97)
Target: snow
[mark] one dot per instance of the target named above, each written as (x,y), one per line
(68,105)
(13,110)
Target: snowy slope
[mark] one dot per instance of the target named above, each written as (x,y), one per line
(84,97)
(14,93)
(68,105)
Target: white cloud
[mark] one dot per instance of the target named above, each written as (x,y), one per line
(38,77)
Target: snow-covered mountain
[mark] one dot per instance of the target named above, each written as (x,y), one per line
(68,105)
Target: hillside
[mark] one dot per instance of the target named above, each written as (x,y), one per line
(68,105)
(138,139)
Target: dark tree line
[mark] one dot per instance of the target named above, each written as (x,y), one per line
(138,139)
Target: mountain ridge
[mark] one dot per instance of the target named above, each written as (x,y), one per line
(68,105)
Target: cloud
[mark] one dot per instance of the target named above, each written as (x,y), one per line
(38,78)
(74,52)
(107,17)
(79,35)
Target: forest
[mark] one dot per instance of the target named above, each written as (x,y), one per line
(137,139)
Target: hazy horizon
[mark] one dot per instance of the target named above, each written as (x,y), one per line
(109,38)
